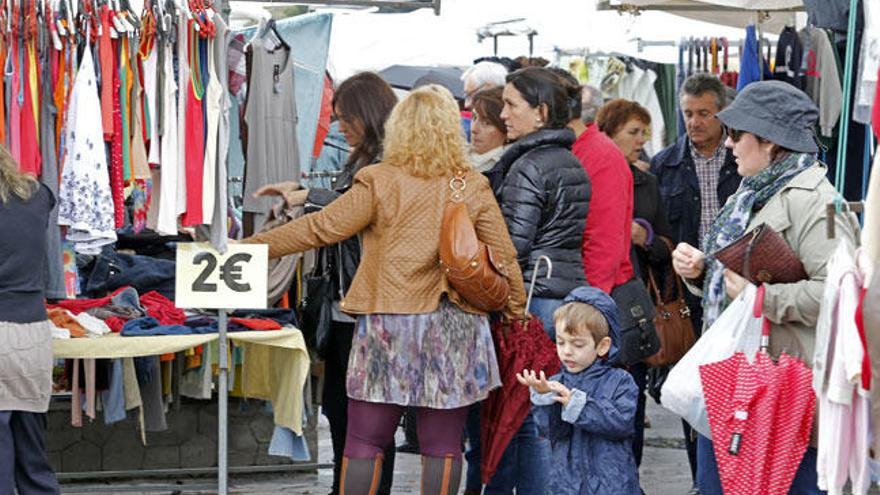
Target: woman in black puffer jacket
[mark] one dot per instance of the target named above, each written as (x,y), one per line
(544,194)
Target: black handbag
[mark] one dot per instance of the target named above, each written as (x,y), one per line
(317,305)
(638,337)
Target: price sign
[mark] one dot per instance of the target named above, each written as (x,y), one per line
(236,279)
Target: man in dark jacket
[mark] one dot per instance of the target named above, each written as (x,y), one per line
(696,175)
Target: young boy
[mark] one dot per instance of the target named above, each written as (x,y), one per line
(587,410)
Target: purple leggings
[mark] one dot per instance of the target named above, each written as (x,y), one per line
(371,428)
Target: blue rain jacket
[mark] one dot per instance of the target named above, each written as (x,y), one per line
(591,438)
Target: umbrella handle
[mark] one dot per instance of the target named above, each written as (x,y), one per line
(758,312)
(535,276)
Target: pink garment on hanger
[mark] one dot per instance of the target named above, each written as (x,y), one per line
(76,408)
(195,158)
(117,183)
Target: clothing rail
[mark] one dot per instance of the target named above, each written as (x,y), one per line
(831,209)
(641,44)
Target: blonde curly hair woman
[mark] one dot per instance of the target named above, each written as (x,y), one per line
(25,333)
(417,344)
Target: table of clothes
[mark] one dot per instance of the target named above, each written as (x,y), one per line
(120,353)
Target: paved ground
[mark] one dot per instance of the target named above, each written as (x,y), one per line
(664,467)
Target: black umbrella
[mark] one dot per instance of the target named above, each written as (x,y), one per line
(413,76)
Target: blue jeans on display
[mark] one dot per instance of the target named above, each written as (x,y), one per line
(805,480)
(524,465)
(543,308)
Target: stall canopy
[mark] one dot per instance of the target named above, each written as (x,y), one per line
(774,14)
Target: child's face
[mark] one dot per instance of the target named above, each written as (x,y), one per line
(578,352)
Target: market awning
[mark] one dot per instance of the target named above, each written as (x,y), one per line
(774,14)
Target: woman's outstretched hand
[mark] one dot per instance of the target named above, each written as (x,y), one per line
(688,261)
(290,191)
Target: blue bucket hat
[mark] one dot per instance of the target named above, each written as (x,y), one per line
(777,112)
(603,302)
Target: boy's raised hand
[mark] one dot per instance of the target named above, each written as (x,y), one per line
(537,381)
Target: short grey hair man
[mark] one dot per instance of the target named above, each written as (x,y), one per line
(699,84)
(591,101)
(700,98)
(482,76)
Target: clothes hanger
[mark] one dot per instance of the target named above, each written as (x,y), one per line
(271,27)
(128,17)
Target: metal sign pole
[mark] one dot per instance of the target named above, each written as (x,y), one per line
(222,411)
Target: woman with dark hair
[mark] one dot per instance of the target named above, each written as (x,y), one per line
(544,196)
(545,192)
(25,333)
(488,133)
(362,104)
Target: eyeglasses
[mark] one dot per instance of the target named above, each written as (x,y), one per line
(734,134)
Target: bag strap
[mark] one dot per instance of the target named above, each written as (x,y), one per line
(747,259)
(652,287)
(678,287)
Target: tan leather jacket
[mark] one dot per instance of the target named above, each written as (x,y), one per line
(399,218)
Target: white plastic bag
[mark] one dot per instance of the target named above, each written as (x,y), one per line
(735,330)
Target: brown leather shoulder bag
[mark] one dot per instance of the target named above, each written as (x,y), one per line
(466,261)
(673,323)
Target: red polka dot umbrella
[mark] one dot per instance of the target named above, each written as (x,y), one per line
(760,415)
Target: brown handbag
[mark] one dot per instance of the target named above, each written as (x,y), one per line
(467,261)
(673,323)
(763,257)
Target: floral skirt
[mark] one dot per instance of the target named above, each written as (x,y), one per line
(441,360)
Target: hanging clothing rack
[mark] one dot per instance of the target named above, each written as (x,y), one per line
(641,44)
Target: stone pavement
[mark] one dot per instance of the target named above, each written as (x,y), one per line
(664,467)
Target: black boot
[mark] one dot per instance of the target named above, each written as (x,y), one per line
(360,476)
(440,475)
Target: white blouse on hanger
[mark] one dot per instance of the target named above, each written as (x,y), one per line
(168,198)
(213,93)
(150,76)
(85,203)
